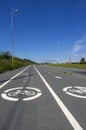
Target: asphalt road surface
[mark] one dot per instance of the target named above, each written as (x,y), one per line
(43,98)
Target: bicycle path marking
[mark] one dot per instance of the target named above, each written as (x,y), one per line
(76,91)
(28,93)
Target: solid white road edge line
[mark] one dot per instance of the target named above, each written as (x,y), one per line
(67,113)
(13,77)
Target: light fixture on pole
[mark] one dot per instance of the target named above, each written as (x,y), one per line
(12,32)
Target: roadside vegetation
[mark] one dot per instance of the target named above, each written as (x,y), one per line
(6,62)
(78,65)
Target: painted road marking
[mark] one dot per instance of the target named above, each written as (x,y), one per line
(13,77)
(28,93)
(57,77)
(76,91)
(67,113)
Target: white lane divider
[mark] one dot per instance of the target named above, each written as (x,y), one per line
(66,112)
(13,77)
(57,77)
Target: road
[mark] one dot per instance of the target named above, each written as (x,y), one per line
(43,98)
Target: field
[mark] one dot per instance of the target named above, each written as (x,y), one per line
(76,65)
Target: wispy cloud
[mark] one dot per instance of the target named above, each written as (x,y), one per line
(79,48)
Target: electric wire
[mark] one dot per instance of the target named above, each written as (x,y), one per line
(8,10)
(5,5)
(19,38)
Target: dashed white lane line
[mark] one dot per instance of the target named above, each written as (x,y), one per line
(57,77)
(74,123)
(13,77)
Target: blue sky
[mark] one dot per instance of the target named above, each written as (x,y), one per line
(44,30)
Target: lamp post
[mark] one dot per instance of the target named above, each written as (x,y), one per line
(12,32)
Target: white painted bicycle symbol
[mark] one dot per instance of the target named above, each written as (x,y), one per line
(28,93)
(76,91)
(25,92)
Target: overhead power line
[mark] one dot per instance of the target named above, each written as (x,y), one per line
(5,5)
(8,10)
(19,38)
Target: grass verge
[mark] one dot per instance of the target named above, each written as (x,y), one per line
(78,66)
(6,62)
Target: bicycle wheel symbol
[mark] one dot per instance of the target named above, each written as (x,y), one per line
(76,91)
(28,93)
(22,92)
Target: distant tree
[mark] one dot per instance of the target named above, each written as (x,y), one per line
(82,61)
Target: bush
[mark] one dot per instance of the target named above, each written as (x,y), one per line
(6,62)
(5,65)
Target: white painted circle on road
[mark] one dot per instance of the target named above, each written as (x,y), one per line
(76,91)
(26,94)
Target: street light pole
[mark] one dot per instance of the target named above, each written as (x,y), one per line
(12,32)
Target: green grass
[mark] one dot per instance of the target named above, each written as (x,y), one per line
(78,65)
(7,65)
(6,62)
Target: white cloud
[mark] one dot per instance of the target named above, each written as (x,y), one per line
(79,48)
